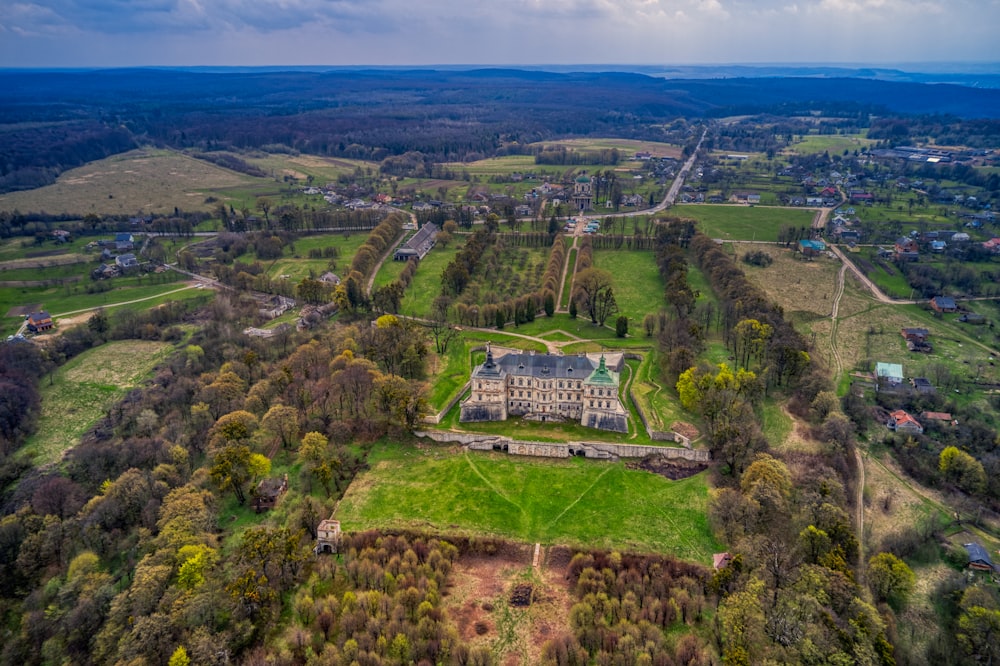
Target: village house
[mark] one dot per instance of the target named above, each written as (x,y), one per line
(979,558)
(546,387)
(126,261)
(812,248)
(922,385)
(944,304)
(916,339)
(906,249)
(888,375)
(39,321)
(901,421)
(330,278)
(268,492)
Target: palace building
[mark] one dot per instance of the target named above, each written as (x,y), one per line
(546,387)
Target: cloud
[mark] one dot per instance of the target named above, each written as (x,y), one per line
(85,32)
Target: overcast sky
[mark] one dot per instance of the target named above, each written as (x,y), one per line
(83,33)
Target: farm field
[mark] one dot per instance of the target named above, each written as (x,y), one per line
(147,180)
(627,146)
(573,502)
(731,222)
(83,389)
(300,167)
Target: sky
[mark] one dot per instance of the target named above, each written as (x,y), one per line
(125,33)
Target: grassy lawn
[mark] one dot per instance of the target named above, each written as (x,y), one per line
(637,283)
(657,399)
(426,285)
(744,222)
(573,502)
(80,392)
(832,143)
(149,180)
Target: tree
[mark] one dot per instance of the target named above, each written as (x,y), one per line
(179,657)
(572,308)
(594,292)
(321,461)
(979,634)
(234,466)
(282,423)
(621,326)
(962,469)
(890,578)
(649,324)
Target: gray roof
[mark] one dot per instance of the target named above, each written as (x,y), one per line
(978,554)
(537,365)
(945,301)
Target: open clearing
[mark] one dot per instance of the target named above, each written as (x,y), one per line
(83,389)
(733,222)
(572,502)
(147,180)
(477,599)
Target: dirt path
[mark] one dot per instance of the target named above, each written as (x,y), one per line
(135,300)
(860,506)
(574,252)
(833,317)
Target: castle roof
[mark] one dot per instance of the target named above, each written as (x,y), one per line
(602,375)
(528,364)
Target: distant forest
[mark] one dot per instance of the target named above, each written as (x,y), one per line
(53,121)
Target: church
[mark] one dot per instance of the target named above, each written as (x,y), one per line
(546,387)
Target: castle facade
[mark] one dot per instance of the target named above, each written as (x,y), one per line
(546,387)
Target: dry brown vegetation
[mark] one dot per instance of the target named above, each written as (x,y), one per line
(147,180)
(478,601)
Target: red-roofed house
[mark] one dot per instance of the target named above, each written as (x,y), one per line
(900,421)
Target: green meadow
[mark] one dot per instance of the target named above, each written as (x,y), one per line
(575,502)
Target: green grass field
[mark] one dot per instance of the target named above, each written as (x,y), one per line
(426,285)
(637,283)
(70,298)
(835,144)
(81,391)
(574,502)
(744,222)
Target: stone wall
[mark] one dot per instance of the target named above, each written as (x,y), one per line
(599,450)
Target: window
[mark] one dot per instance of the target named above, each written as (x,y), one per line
(560,385)
(578,385)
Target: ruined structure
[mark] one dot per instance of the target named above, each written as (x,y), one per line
(546,387)
(328,537)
